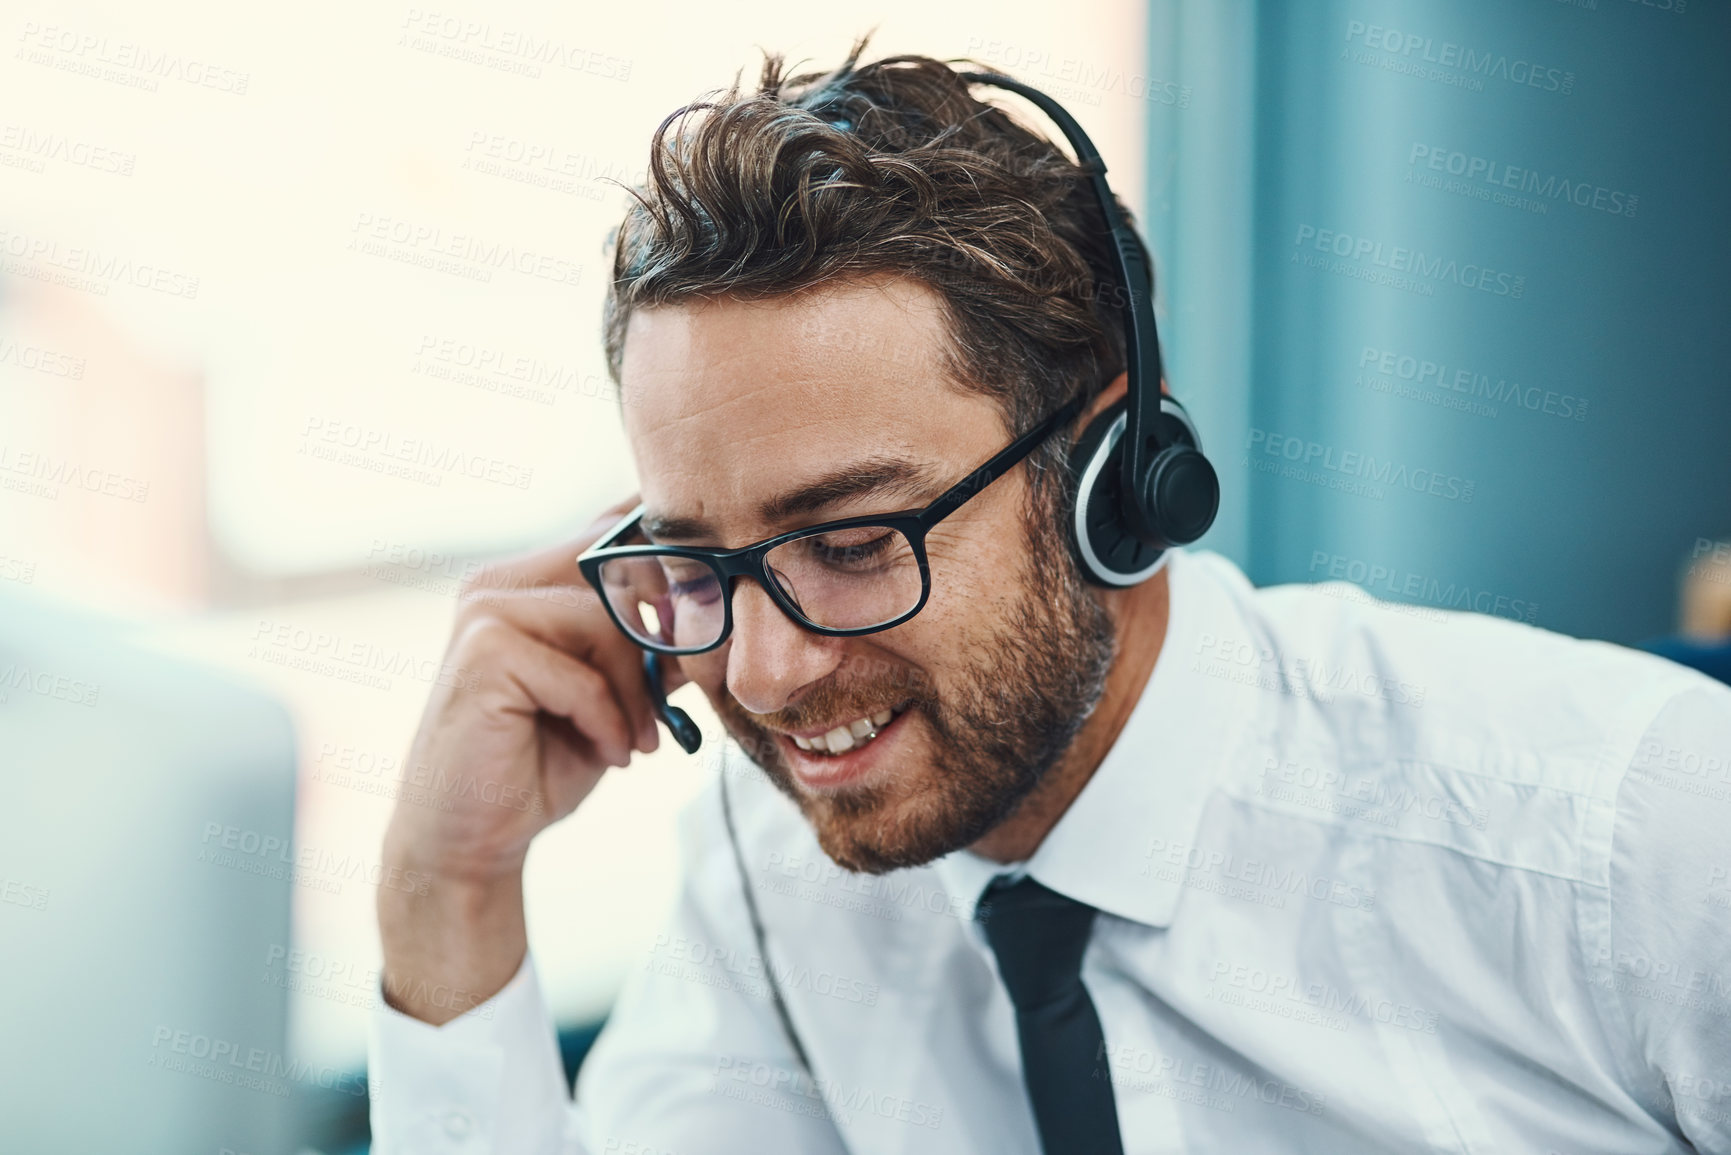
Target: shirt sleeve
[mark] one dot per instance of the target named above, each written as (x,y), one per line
(692,1061)
(489,1080)
(1670,964)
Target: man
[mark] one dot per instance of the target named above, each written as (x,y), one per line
(1178,866)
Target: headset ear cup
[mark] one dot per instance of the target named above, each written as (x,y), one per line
(1081,464)
(1104,547)
(1107,550)
(1091,458)
(1183,490)
(1184,493)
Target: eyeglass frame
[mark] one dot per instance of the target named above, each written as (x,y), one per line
(751,561)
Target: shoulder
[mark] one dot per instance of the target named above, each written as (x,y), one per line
(1459,686)
(1494,738)
(1661,962)
(1670,862)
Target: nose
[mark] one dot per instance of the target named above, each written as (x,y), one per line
(770,656)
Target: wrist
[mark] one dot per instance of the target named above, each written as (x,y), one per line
(452,946)
(456,864)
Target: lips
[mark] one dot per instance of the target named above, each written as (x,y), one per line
(830,768)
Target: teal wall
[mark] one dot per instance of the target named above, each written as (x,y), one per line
(1446,287)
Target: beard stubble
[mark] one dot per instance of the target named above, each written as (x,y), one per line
(1015,708)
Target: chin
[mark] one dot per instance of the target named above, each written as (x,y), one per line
(873,819)
(881,835)
(929,807)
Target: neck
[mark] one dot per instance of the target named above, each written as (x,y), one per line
(1140,615)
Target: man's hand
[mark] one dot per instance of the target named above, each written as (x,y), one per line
(552,695)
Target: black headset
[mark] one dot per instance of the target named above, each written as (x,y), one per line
(1142,485)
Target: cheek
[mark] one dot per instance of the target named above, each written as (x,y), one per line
(975,587)
(984,555)
(930,656)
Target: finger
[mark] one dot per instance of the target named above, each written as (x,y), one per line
(624,666)
(537,677)
(568,763)
(573,621)
(568,618)
(555,565)
(567,610)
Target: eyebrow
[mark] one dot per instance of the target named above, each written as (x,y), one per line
(873,477)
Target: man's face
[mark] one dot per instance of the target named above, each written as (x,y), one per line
(732,405)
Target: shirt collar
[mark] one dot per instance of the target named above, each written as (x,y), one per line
(1147,794)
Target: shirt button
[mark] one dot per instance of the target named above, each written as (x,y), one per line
(457,1124)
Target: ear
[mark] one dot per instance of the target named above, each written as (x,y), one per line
(1119,386)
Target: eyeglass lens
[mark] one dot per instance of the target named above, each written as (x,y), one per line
(844,579)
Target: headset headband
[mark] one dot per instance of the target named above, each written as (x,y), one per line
(1141,339)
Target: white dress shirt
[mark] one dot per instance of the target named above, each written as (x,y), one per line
(1372,879)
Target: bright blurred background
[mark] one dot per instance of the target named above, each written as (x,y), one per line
(299,322)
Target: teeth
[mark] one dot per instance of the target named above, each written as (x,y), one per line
(841,739)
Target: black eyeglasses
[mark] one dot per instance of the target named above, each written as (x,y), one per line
(839,579)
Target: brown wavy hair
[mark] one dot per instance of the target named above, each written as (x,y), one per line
(886,167)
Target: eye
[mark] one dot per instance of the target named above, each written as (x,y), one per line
(703,590)
(687,580)
(843,551)
(852,550)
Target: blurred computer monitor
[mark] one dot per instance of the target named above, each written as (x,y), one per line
(141,889)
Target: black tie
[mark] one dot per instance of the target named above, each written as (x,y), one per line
(1039,936)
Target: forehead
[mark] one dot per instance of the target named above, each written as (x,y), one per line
(730,402)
